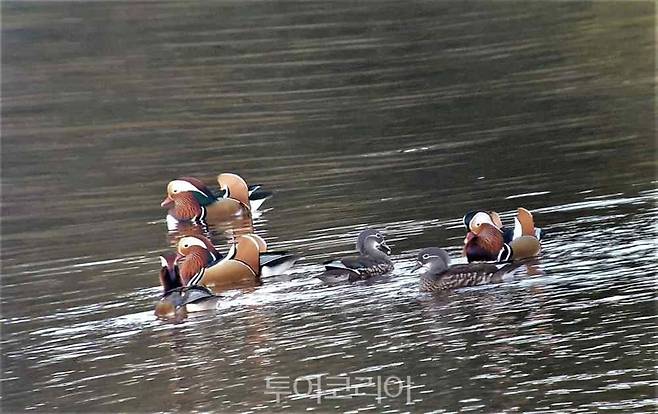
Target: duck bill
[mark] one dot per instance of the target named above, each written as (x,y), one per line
(167,202)
(384,248)
(418,266)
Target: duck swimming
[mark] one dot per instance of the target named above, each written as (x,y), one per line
(270,263)
(240,268)
(372,261)
(178,300)
(473,219)
(486,242)
(187,201)
(439,275)
(205,196)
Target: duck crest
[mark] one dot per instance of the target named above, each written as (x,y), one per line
(199,185)
(185,242)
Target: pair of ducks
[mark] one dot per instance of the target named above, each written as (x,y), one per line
(192,277)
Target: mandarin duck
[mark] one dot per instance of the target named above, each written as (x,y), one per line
(486,242)
(187,202)
(439,275)
(178,300)
(473,219)
(206,196)
(243,265)
(372,261)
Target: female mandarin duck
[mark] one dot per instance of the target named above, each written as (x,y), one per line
(178,300)
(246,262)
(439,275)
(187,201)
(486,242)
(372,261)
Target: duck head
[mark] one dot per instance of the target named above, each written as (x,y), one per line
(234,187)
(432,260)
(483,244)
(474,219)
(193,185)
(371,242)
(194,253)
(197,240)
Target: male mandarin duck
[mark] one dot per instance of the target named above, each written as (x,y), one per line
(246,262)
(439,275)
(238,269)
(178,300)
(473,219)
(190,200)
(206,196)
(486,242)
(372,261)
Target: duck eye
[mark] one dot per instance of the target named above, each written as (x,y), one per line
(175,190)
(426,256)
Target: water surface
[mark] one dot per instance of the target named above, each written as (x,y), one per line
(396,116)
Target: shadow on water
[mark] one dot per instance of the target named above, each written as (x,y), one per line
(395,116)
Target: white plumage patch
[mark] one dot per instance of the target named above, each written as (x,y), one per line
(182,185)
(172,222)
(191,241)
(481,218)
(255,204)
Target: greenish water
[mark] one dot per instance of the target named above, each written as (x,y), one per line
(400,116)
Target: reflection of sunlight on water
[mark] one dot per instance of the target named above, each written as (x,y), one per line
(399,118)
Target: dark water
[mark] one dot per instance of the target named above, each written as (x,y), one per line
(395,115)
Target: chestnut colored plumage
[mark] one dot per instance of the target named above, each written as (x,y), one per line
(241,267)
(485,245)
(194,259)
(184,206)
(189,199)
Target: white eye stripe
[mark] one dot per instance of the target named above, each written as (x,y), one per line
(481,218)
(191,241)
(181,185)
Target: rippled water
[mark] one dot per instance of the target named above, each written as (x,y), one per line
(397,116)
